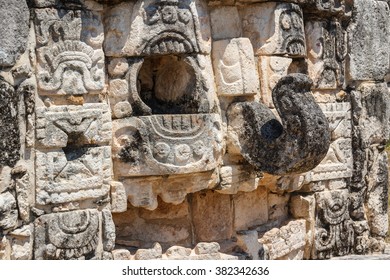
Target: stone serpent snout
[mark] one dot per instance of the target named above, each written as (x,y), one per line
(297,143)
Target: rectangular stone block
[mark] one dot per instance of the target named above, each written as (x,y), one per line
(250,209)
(72,175)
(212,216)
(152,27)
(369,41)
(338,161)
(274,28)
(60,126)
(69,52)
(235,178)
(225,22)
(235,68)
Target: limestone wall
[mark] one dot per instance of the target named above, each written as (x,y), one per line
(193,129)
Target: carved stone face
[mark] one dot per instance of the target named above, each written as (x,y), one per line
(291,36)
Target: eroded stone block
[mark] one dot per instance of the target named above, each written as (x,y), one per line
(62,126)
(274,28)
(13,41)
(235,68)
(221,28)
(69,52)
(284,243)
(157,27)
(235,178)
(69,235)
(8,211)
(72,175)
(369,53)
(166,144)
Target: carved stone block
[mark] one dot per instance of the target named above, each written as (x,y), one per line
(271,70)
(166,144)
(70,175)
(235,68)
(326,44)
(69,52)
(275,28)
(9,125)
(150,27)
(61,126)
(8,211)
(69,235)
(14,14)
(338,160)
(369,53)
(334,233)
(235,178)
(285,243)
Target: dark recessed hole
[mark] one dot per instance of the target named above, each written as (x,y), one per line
(271,130)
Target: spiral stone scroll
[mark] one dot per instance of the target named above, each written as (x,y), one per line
(296,144)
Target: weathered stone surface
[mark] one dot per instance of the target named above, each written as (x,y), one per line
(143,191)
(121,254)
(234,67)
(250,209)
(178,253)
(271,69)
(72,175)
(212,216)
(149,254)
(296,146)
(21,241)
(221,28)
(13,31)
(166,144)
(156,27)
(118,197)
(287,242)
(69,235)
(249,243)
(369,53)
(235,178)
(9,130)
(168,224)
(59,33)
(326,44)
(8,211)
(203,248)
(334,233)
(338,161)
(108,227)
(274,28)
(277,206)
(62,126)
(23,189)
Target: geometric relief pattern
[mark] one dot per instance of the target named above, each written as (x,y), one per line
(166,144)
(334,233)
(72,175)
(338,161)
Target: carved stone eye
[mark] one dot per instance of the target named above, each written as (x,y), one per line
(296,21)
(169,14)
(286,21)
(152,15)
(184,16)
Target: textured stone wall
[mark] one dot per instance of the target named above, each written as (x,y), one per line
(193,129)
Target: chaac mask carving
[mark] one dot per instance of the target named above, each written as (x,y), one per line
(190,121)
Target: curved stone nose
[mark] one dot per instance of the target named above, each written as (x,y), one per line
(169,14)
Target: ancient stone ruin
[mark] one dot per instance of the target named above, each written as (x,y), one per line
(193,129)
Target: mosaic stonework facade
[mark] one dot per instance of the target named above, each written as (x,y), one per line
(193,129)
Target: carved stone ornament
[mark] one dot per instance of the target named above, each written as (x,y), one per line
(297,144)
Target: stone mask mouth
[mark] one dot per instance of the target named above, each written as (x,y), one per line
(169,42)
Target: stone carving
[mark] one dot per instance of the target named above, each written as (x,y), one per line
(166,144)
(62,126)
(158,27)
(271,69)
(69,235)
(334,233)
(70,58)
(294,147)
(72,174)
(169,85)
(338,160)
(235,67)
(326,52)
(275,29)
(13,42)
(9,130)
(369,53)
(8,212)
